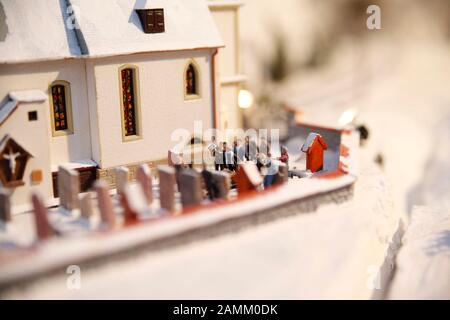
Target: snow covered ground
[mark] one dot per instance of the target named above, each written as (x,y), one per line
(405,102)
(423,263)
(410,120)
(303,256)
(82,242)
(339,250)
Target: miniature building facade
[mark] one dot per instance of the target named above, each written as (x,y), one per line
(231,78)
(24,142)
(314,148)
(105,95)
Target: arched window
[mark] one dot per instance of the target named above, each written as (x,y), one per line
(191,81)
(61,108)
(129,100)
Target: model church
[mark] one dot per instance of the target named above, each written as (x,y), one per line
(94,85)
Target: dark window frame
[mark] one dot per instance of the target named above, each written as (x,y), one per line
(191,78)
(32,115)
(61,108)
(152,20)
(130,108)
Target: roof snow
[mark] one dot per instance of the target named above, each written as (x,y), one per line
(27,96)
(116,28)
(15,98)
(309,141)
(153,4)
(37,30)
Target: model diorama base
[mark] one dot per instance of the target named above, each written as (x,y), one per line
(87,233)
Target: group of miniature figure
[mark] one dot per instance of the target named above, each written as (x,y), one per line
(228,158)
(196,189)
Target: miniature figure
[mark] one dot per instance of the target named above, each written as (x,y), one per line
(224,157)
(284,157)
(263,154)
(249,150)
(236,147)
(213,148)
(208,180)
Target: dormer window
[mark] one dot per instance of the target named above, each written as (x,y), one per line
(152,20)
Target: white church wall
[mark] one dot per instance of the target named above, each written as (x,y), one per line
(163,107)
(65,148)
(228,106)
(93,111)
(226,17)
(33,137)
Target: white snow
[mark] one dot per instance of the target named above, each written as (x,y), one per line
(332,253)
(6,109)
(115,28)
(405,104)
(28,96)
(423,264)
(36,31)
(16,97)
(303,256)
(83,163)
(63,251)
(77,246)
(309,140)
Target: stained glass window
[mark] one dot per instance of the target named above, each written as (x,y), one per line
(191,80)
(59,107)
(129,102)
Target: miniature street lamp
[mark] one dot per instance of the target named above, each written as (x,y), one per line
(245,99)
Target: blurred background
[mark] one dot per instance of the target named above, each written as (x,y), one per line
(320,54)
